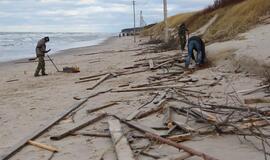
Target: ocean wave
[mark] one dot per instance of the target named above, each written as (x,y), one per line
(19,44)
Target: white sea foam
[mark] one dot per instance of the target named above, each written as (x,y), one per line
(22,45)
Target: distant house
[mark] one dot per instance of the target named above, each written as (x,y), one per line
(130,31)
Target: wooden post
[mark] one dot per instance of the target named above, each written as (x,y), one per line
(165,10)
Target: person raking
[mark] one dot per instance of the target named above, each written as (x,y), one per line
(40,53)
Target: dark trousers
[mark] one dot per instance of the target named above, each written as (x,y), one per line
(195,45)
(183,41)
(41,66)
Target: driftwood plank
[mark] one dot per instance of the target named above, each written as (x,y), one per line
(88,80)
(158,108)
(121,145)
(81,126)
(148,88)
(133,115)
(100,81)
(180,138)
(13,80)
(256,100)
(162,64)
(204,115)
(139,127)
(248,91)
(104,135)
(151,64)
(183,126)
(102,107)
(180,156)
(93,76)
(168,116)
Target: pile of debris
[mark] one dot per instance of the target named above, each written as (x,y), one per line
(186,113)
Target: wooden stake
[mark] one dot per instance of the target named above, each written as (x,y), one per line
(43,146)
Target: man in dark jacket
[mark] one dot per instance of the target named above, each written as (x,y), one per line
(182,33)
(40,53)
(195,43)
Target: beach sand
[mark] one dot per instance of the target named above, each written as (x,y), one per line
(30,102)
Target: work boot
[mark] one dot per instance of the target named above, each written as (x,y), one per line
(44,74)
(36,75)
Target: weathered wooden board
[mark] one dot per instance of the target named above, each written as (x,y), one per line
(100,81)
(81,126)
(121,145)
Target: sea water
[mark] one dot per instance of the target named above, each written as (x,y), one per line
(17,45)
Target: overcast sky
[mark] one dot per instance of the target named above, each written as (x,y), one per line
(85,15)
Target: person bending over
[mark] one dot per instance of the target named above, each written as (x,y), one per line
(197,44)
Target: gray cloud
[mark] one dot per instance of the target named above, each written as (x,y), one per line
(85,15)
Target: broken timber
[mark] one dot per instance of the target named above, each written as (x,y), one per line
(148,88)
(13,150)
(104,135)
(138,126)
(88,80)
(100,81)
(162,64)
(180,156)
(151,64)
(159,107)
(180,146)
(102,107)
(122,148)
(94,76)
(83,125)
(248,91)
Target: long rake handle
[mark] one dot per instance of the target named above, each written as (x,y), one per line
(53,63)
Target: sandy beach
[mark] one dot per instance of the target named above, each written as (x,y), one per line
(28,103)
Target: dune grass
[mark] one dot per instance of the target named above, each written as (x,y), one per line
(237,19)
(234,17)
(173,22)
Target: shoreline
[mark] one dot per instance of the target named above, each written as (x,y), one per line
(60,52)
